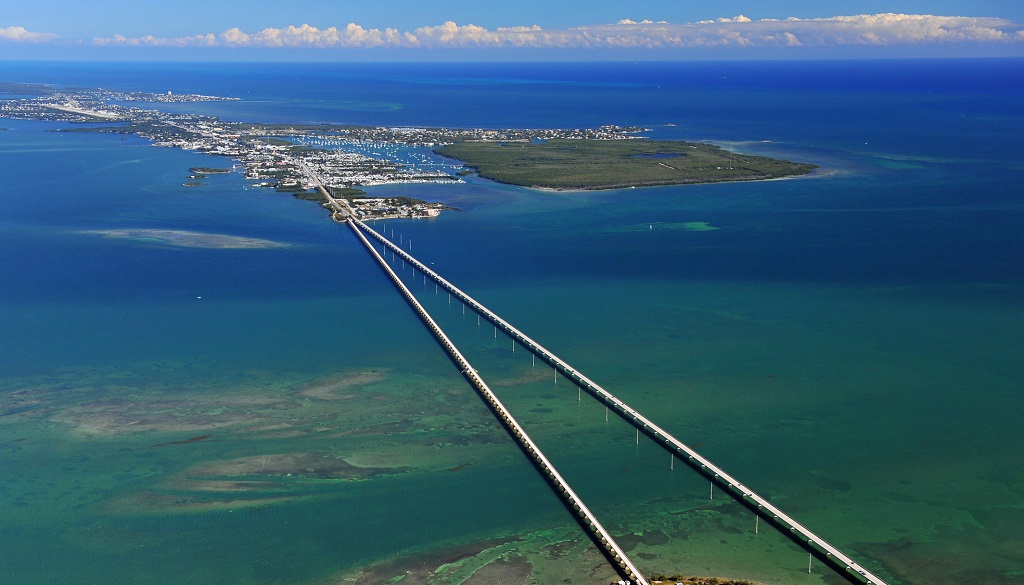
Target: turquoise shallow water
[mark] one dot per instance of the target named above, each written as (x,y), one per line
(847,344)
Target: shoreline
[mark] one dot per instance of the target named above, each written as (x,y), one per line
(818,173)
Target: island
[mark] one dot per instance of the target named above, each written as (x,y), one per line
(208,171)
(614,164)
(331,164)
(356,203)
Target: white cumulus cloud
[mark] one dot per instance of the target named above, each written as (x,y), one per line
(867,29)
(736,31)
(888,29)
(20,34)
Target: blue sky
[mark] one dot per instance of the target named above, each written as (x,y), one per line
(525,29)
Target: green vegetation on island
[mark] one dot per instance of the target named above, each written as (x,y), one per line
(614,164)
(208,171)
(289,188)
(310,195)
(26,88)
(346,192)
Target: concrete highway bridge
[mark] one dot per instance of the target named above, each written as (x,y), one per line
(814,544)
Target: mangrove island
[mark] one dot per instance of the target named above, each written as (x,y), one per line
(614,164)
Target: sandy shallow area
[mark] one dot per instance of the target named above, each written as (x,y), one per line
(178,451)
(188,239)
(94,404)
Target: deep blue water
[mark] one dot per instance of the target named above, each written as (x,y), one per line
(848,343)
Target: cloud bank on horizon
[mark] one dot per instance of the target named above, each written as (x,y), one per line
(18,34)
(739,31)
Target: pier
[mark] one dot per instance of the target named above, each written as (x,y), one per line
(799,533)
(587,518)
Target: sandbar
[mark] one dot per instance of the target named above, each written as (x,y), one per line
(189,239)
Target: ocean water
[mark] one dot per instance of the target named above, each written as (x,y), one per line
(848,344)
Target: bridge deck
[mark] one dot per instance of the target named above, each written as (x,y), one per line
(800,533)
(562,487)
